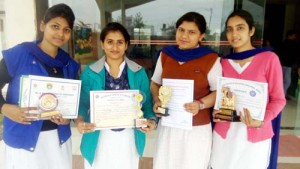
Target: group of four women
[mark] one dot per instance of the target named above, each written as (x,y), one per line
(46,143)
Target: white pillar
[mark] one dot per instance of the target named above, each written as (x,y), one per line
(20,21)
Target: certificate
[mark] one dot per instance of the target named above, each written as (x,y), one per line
(50,95)
(182,92)
(115,108)
(249,94)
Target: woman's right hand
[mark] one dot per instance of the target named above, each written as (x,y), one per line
(19,114)
(84,127)
(155,108)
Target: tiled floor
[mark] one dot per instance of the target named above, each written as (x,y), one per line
(289,156)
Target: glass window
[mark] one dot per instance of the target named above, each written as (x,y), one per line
(2,19)
(151,23)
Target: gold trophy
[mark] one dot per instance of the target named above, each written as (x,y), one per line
(227,107)
(140,121)
(164,96)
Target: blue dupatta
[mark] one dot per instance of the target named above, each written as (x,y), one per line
(188,54)
(245,54)
(62,59)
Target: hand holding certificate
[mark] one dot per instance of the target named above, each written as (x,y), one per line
(52,96)
(182,92)
(236,94)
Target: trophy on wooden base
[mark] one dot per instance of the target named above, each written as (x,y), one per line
(164,96)
(227,107)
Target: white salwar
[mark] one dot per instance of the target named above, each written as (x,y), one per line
(236,151)
(48,154)
(115,150)
(183,149)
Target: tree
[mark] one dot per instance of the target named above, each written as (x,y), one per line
(138,21)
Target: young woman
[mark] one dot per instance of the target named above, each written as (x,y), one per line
(179,148)
(26,141)
(115,148)
(247,144)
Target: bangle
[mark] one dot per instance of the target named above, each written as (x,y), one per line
(201,105)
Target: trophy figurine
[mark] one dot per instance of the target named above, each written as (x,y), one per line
(164,96)
(227,107)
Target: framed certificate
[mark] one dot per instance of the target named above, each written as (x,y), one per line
(115,108)
(248,94)
(50,95)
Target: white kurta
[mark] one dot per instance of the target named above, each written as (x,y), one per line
(115,150)
(48,154)
(183,149)
(236,151)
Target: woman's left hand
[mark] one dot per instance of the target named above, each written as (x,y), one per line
(247,119)
(59,120)
(192,107)
(151,124)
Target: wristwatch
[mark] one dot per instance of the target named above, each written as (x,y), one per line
(201,105)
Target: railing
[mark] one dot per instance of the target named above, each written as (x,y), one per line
(173,42)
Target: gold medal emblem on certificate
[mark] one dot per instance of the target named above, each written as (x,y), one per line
(48,102)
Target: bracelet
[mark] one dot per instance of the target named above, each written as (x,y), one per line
(201,105)
(156,123)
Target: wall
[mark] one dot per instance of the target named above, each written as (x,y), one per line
(21,25)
